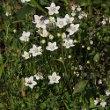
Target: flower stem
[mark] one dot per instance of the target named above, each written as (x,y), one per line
(90,7)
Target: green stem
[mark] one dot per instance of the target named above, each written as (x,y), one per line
(90,7)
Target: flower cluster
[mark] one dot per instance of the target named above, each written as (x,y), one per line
(105,20)
(76,10)
(43,31)
(102,103)
(54,78)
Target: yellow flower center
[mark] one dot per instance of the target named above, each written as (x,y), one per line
(36,50)
(25,37)
(73,28)
(39,74)
(27,55)
(54,78)
(67,43)
(53,9)
(52,46)
(103,103)
(61,22)
(67,20)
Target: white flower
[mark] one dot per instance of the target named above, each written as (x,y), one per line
(73,13)
(7,13)
(61,22)
(96,101)
(104,22)
(103,103)
(91,42)
(54,78)
(40,23)
(38,76)
(23,1)
(85,15)
(68,19)
(30,82)
(109,20)
(80,16)
(51,46)
(26,55)
(107,92)
(78,9)
(53,9)
(25,36)
(44,33)
(68,43)
(73,28)
(37,18)
(73,7)
(35,50)
(99,81)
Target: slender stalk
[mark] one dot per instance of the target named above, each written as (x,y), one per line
(90,7)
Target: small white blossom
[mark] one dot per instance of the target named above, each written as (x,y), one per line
(26,55)
(51,46)
(104,22)
(99,81)
(91,42)
(35,50)
(107,92)
(25,36)
(68,43)
(73,28)
(30,82)
(80,16)
(109,20)
(78,9)
(54,78)
(44,33)
(61,22)
(103,103)
(73,7)
(23,1)
(85,15)
(53,9)
(40,23)
(68,19)
(37,18)
(7,13)
(73,13)
(38,76)
(96,101)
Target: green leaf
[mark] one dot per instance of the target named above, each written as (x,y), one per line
(66,106)
(1,59)
(79,87)
(2,68)
(96,57)
(43,105)
(23,11)
(1,106)
(37,96)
